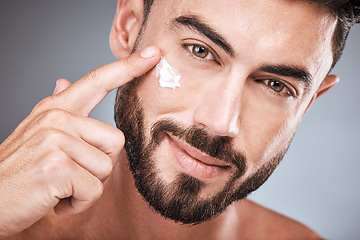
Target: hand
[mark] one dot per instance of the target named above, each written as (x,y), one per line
(58,157)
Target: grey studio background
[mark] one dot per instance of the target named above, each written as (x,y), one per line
(317,182)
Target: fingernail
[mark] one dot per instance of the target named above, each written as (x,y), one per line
(148,52)
(55,86)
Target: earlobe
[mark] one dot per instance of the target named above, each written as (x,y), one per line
(126,27)
(325,86)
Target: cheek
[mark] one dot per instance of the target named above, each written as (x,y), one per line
(265,129)
(268,143)
(159,102)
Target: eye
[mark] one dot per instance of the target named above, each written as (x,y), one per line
(200,51)
(278,87)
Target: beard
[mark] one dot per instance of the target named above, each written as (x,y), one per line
(180,200)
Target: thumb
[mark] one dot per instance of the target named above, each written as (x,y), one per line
(61,85)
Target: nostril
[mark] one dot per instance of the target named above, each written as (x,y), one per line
(218,123)
(226,130)
(222,129)
(219,113)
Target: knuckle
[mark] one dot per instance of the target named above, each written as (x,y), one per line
(118,140)
(98,189)
(108,167)
(104,169)
(126,62)
(126,68)
(93,75)
(43,104)
(51,137)
(57,164)
(120,137)
(53,117)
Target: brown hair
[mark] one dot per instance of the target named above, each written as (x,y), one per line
(347,13)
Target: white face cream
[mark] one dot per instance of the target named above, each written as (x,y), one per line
(168,78)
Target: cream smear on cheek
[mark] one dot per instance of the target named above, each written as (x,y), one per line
(168,77)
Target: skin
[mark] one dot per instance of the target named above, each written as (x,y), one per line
(52,155)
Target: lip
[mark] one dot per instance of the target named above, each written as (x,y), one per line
(196,163)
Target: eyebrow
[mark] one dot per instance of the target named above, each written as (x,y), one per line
(298,73)
(195,23)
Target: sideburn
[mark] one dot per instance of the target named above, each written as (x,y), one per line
(127,113)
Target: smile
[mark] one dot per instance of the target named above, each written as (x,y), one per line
(196,163)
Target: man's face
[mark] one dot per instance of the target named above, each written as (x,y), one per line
(249,70)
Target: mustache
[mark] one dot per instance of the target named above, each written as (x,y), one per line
(219,147)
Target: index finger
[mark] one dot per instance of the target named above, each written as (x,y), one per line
(86,93)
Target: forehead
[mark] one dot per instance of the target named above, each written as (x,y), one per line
(267,31)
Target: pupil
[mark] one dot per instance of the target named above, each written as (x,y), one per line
(277,86)
(200,51)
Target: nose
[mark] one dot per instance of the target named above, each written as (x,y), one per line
(219,108)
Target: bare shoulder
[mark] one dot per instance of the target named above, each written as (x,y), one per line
(256,221)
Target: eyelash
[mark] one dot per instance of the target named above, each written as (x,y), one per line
(288,91)
(187,47)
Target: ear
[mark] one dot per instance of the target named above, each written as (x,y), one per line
(126,27)
(325,86)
